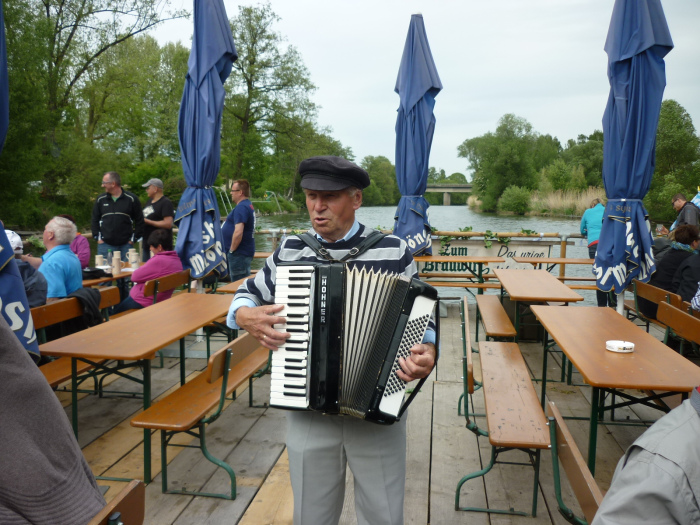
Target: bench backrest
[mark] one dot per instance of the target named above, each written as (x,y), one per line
(130,502)
(468,368)
(564,450)
(683,324)
(686,307)
(70,308)
(655,295)
(166,283)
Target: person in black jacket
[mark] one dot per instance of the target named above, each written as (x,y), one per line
(682,248)
(117,218)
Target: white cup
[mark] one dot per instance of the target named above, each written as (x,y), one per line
(99,260)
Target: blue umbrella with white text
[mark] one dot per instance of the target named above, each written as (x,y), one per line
(637,42)
(199,242)
(417,84)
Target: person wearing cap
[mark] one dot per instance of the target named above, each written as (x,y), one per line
(658,478)
(117,218)
(319,445)
(35,285)
(238,232)
(158,213)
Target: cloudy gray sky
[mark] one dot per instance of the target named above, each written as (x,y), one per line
(539,59)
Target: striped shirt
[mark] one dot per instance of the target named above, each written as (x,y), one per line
(390,254)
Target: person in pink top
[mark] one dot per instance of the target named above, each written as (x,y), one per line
(80,245)
(164,261)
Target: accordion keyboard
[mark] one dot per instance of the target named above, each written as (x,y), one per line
(288,387)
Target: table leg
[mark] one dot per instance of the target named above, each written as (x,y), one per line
(593,430)
(480,291)
(146,431)
(182,361)
(544,370)
(517,320)
(74,394)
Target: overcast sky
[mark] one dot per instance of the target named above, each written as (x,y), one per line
(542,60)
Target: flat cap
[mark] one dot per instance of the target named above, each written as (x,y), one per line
(153,182)
(328,173)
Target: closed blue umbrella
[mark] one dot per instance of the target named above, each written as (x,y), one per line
(637,42)
(199,242)
(418,84)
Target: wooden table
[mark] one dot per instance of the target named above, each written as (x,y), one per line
(551,262)
(533,286)
(474,264)
(137,337)
(261,255)
(581,333)
(126,272)
(231,287)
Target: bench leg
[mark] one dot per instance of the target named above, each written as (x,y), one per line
(166,435)
(478,474)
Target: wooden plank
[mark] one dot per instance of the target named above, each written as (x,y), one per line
(455,452)
(515,417)
(494,317)
(274,502)
(449,367)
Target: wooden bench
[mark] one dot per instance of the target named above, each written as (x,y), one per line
(128,507)
(469,383)
(564,450)
(186,409)
(496,323)
(653,294)
(514,416)
(59,370)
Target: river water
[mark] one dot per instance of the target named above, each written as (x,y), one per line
(450,218)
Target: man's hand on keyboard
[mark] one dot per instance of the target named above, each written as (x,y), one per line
(260,321)
(418,364)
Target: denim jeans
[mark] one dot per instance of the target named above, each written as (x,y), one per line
(238,266)
(126,304)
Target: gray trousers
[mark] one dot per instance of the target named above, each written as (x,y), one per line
(320,446)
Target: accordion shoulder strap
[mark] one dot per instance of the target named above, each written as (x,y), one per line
(373,238)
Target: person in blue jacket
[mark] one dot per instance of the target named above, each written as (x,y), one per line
(591,224)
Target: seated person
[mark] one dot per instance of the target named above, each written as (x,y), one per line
(687,239)
(164,261)
(59,264)
(658,478)
(686,278)
(80,245)
(35,285)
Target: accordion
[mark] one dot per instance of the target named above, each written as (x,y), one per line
(349,327)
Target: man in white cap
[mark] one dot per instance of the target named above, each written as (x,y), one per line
(158,213)
(34,281)
(320,445)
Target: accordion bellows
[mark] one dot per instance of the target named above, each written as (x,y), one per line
(349,327)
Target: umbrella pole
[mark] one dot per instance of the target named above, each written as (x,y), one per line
(621,303)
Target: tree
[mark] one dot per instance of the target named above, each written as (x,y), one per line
(268,94)
(587,152)
(677,167)
(501,159)
(384,190)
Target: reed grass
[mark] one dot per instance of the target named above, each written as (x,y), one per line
(567,203)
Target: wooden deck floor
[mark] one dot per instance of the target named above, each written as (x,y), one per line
(440,451)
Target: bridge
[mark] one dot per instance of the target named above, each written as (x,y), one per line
(446,189)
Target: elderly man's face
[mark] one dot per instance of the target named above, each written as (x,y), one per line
(678,204)
(47,236)
(107,184)
(332,213)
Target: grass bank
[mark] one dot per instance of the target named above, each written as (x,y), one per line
(558,203)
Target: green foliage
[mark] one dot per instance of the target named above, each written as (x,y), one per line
(587,152)
(515,200)
(501,159)
(383,191)
(677,161)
